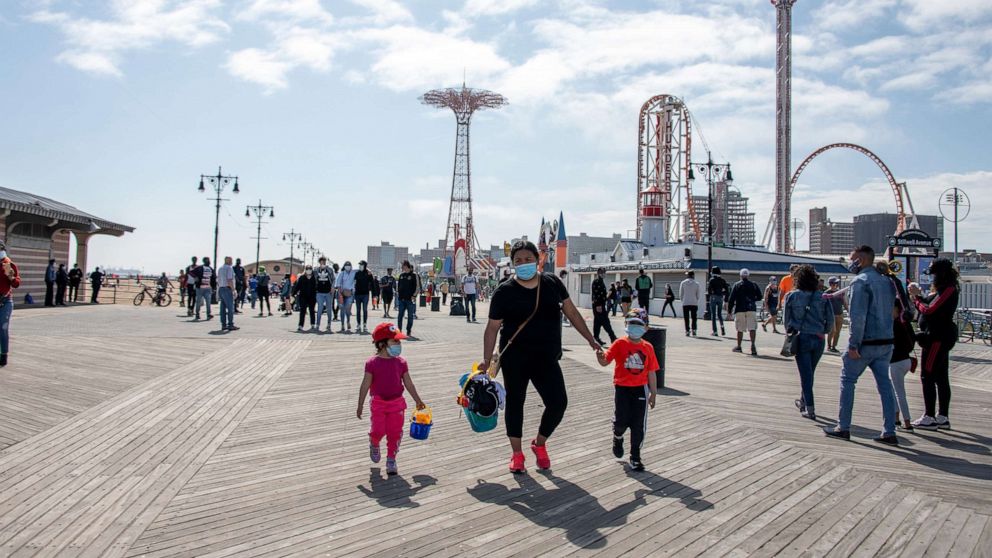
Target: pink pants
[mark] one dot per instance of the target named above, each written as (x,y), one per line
(387,421)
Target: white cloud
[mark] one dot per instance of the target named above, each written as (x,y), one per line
(922,14)
(851,13)
(475,8)
(385,11)
(98,45)
(295,11)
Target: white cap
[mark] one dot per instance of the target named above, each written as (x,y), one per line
(745,272)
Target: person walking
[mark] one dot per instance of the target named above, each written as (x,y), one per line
(771,302)
(527,310)
(363,290)
(643,284)
(264,280)
(345,284)
(50,276)
(183,280)
(717,290)
(691,293)
(305,291)
(286,295)
(742,303)
(96,282)
(808,314)
(10,279)
(253,289)
(406,293)
(61,284)
(611,299)
(324,277)
(387,287)
(375,292)
(162,284)
(902,362)
(870,345)
(600,316)
(626,296)
(190,287)
(227,283)
(240,285)
(669,301)
(839,303)
(937,337)
(445,287)
(205,282)
(470,288)
(75,280)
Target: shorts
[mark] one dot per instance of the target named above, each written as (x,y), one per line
(746,321)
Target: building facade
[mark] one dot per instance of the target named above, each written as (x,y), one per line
(733,223)
(874,229)
(385,256)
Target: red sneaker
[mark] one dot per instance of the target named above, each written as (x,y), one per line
(541,452)
(517,463)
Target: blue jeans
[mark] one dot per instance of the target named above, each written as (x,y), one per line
(407,307)
(203,294)
(810,351)
(6,309)
(716,310)
(345,312)
(470,300)
(226,306)
(324,302)
(877,358)
(362,310)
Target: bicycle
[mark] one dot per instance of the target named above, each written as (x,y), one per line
(972,324)
(158,297)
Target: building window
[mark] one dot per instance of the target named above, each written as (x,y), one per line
(585,286)
(276,268)
(32,230)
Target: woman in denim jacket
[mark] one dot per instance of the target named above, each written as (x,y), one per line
(807,312)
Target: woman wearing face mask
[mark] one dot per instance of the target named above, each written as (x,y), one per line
(528,310)
(305,290)
(363,290)
(345,284)
(9,280)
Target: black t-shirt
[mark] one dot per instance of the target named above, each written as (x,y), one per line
(513,303)
(406,285)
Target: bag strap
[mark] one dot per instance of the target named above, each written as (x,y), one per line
(537,304)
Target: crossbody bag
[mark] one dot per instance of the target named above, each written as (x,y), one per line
(494,362)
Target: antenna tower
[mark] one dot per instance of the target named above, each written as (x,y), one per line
(783,123)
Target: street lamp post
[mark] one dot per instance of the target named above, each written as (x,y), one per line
(711,171)
(259,211)
(293,237)
(217,183)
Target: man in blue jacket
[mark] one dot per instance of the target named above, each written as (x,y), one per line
(870,346)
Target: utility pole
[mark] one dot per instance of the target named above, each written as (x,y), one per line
(293,237)
(259,211)
(218,183)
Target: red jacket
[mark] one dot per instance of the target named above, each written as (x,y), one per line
(7,285)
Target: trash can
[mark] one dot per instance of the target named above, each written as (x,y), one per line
(423,301)
(457,306)
(435,304)
(656,335)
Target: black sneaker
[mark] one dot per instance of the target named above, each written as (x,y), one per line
(754,351)
(808,413)
(889,440)
(832,432)
(3,362)
(636,464)
(617,444)
(737,349)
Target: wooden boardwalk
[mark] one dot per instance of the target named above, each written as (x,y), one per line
(132,432)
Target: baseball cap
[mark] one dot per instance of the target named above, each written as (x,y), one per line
(634,317)
(833,280)
(385,331)
(745,272)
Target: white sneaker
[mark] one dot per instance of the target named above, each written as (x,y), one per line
(943,422)
(925,422)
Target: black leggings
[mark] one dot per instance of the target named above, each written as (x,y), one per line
(669,304)
(305,306)
(263,300)
(521,365)
(934,375)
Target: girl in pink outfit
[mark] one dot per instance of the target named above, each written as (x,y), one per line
(386,375)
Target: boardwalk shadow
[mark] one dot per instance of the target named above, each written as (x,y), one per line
(954,444)
(570,507)
(671,392)
(970,360)
(395,491)
(951,465)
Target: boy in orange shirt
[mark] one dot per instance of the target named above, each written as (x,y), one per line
(635,386)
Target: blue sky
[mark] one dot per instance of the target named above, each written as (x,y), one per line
(118,107)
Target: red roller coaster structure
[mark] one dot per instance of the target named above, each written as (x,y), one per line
(899,189)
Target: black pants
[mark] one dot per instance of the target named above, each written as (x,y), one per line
(96,292)
(444,299)
(688,311)
(49,293)
(644,298)
(305,305)
(387,300)
(470,306)
(263,300)
(239,299)
(60,295)
(669,303)
(190,298)
(73,293)
(630,410)
(601,320)
(935,367)
(522,365)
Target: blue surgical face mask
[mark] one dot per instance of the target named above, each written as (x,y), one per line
(526,271)
(395,350)
(635,331)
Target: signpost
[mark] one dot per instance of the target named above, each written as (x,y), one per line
(916,249)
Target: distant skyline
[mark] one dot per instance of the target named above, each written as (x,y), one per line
(118,107)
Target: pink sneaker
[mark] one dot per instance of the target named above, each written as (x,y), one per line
(541,452)
(517,463)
